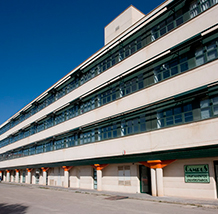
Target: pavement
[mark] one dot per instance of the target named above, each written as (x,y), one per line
(207,203)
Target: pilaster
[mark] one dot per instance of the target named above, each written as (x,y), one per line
(44,169)
(66,175)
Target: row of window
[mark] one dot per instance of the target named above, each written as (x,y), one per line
(199,6)
(158,116)
(165,23)
(173,116)
(142,78)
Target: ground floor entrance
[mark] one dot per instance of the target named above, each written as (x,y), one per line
(95,178)
(37,175)
(145,179)
(24,177)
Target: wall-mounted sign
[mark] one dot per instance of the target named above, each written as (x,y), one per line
(197,173)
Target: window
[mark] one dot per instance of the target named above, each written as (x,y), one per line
(59,118)
(26,152)
(32,150)
(212,51)
(170,68)
(132,47)
(73,111)
(204,5)
(154,33)
(205,109)
(39,149)
(134,125)
(140,81)
(209,107)
(87,137)
(199,56)
(188,115)
(120,55)
(174,116)
(138,43)
(72,141)
(40,127)
(27,133)
(214,2)
(48,146)
(193,9)
(179,17)
(183,64)
(127,51)
(59,144)
(215,105)
(108,132)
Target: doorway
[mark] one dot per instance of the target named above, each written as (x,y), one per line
(95,178)
(24,177)
(216,175)
(37,176)
(145,179)
(13,176)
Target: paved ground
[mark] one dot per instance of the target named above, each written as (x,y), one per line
(20,199)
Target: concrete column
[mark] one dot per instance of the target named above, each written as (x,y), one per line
(17,176)
(8,176)
(153,182)
(66,175)
(28,178)
(159,174)
(4,176)
(66,178)
(44,177)
(99,179)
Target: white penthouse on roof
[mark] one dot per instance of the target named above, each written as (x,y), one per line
(140,115)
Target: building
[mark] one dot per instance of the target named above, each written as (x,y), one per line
(138,116)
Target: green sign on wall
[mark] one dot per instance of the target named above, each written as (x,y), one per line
(197,173)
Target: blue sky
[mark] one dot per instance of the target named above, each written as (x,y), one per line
(43,40)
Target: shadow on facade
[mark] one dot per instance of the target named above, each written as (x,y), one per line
(12,208)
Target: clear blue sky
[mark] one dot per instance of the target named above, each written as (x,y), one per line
(43,40)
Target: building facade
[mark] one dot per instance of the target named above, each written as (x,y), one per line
(138,116)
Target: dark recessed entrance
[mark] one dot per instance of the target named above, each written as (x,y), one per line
(145,179)
(95,178)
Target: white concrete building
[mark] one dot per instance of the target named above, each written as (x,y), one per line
(138,116)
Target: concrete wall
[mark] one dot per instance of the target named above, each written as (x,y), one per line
(174,181)
(86,177)
(110,179)
(126,19)
(75,177)
(56,176)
